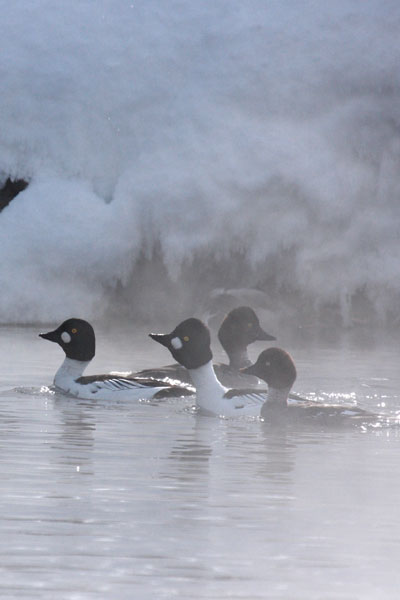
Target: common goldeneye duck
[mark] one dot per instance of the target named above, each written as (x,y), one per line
(76,337)
(240,328)
(277,369)
(190,345)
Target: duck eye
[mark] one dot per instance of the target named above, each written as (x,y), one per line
(186,338)
(74,330)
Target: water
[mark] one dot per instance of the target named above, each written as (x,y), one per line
(133,500)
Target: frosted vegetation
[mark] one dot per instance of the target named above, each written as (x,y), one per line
(173,147)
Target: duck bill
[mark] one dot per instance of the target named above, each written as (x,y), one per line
(263,336)
(251,370)
(52,336)
(162,338)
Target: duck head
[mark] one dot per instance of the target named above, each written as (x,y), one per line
(275,367)
(189,343)
(76,337)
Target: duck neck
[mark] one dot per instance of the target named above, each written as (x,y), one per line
(207,386)
(277,398)
(70,370)
(238,358)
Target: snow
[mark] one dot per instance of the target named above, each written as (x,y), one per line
(208,127)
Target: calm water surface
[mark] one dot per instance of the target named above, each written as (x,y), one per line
(140,501)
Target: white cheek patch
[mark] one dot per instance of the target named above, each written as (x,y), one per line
(66,338)
(176,343)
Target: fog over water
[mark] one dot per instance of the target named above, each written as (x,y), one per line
(171,148)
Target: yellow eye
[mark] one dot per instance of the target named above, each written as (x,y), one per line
(74,330)
(186,338)
(249,325)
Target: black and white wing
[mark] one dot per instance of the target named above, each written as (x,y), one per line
(169,373)
(245,401)
(115,383)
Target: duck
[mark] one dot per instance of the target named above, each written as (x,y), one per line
(77,338)
(276,367)
(190,345)
(240,328)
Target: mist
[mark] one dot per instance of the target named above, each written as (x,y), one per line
(176,148)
